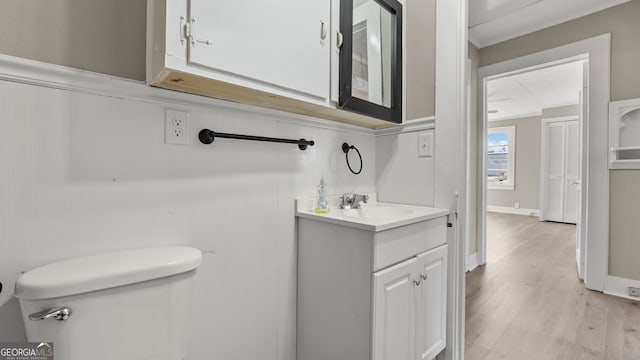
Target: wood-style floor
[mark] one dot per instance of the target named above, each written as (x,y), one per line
(528,303)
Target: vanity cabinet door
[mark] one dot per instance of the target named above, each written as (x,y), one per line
(394,300)
(284,43)
(432,303)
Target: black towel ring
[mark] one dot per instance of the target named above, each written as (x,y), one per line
(345,148)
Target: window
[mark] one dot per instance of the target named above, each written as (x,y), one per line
(501,155)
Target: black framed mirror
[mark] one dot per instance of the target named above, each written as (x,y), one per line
(371,58)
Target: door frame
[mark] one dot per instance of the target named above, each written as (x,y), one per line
(594,212)
(543,153)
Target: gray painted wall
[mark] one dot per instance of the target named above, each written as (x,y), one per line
(528,142)
(561,111)
(624,232)
(421,58)
(622,22)
(527,186)
(102,36)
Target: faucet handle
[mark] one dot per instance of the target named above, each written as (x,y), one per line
(346,200)
(343,200)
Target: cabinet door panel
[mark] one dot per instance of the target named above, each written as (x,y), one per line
(393,312)
(432,303)
(554,144)
(277,42)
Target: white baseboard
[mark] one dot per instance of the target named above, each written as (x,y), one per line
(618,286)
(510,210)
(472,261)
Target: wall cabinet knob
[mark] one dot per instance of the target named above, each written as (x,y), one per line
(424,276)
(417,282)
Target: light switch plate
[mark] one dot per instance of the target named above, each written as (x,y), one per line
(425,144)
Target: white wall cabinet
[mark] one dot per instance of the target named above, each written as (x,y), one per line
(366,295)
(275,54)
(224,48)
(283,44)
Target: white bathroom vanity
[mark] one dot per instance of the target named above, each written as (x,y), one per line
(372,282)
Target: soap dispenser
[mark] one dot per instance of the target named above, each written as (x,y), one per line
(323,198)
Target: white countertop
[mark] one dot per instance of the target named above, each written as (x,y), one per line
(305,209)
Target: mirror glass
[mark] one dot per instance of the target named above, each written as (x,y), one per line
(371,54)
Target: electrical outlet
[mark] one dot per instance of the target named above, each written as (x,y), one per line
(176,127)
(635,292)
(425,144)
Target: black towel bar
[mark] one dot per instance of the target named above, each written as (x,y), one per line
(207,136)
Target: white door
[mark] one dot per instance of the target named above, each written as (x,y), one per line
(283,43)
(432,303)
(554,144)
(393,312)
(560,170)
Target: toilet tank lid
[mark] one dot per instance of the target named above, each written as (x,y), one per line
(107,270)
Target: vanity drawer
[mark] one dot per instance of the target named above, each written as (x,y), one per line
(395,245)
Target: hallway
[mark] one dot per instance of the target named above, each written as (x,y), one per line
(528,303)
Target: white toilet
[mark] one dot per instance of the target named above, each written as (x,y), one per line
(128,305)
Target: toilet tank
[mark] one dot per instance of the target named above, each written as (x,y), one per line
(127,305)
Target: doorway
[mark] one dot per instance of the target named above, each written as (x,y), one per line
(592,222)
(532,150)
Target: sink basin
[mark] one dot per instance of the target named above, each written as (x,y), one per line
(377,212)
(373,216)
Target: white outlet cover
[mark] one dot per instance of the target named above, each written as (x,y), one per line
(176,127)
(425,144)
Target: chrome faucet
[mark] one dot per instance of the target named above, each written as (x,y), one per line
(352,201)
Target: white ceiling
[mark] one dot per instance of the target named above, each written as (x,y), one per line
(526,94)
(494,21)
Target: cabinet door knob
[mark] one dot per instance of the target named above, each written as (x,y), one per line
(417,282)
(424,276)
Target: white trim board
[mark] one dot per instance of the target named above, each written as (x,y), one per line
(516,117)
(450,157)
(472,262)
(514,211)
(26,71)
(427,123)
(618,286)
(595,173)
